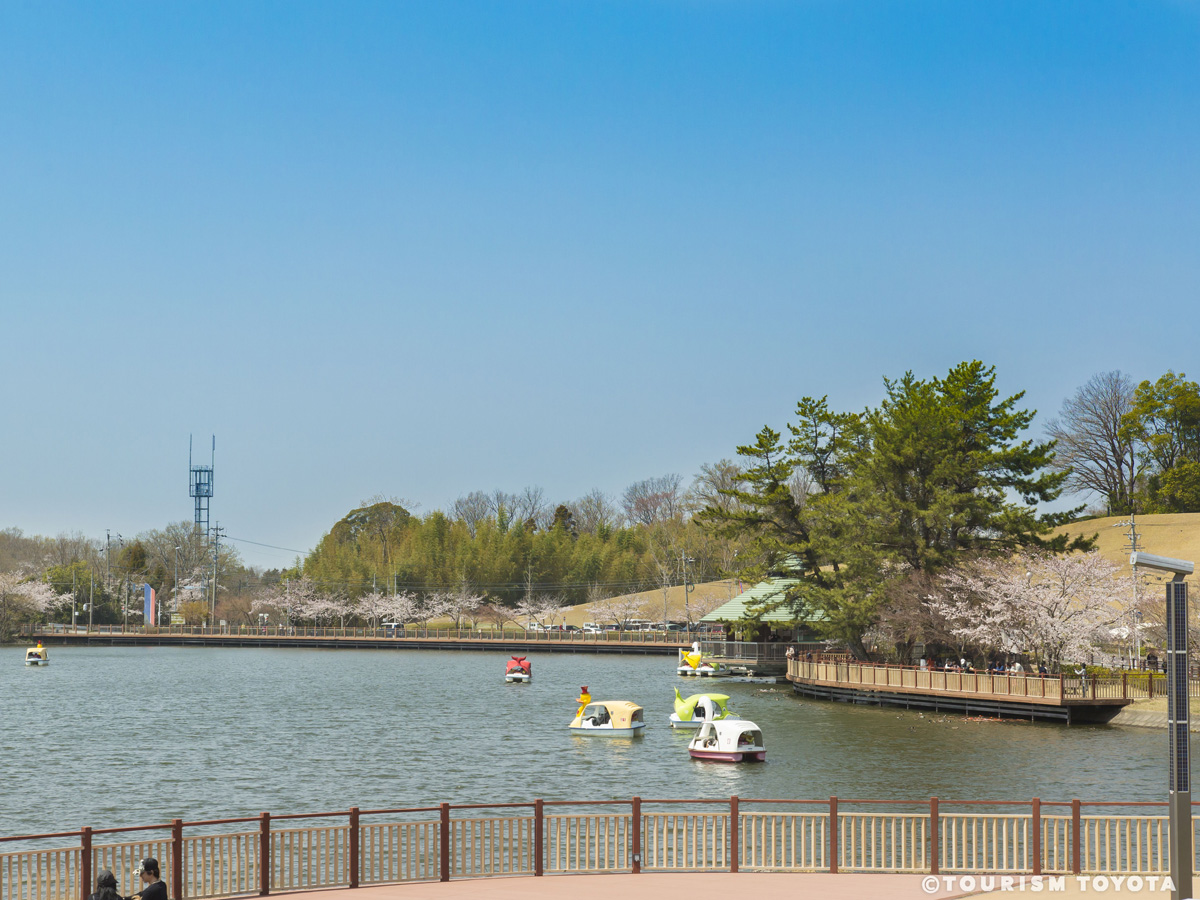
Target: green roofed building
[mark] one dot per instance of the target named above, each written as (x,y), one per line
(767,603)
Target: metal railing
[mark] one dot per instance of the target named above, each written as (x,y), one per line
(266,854)
(381,633)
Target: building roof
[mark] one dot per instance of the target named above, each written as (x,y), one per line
(767,595)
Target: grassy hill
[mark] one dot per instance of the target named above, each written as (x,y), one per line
(652,602)
(1175,534)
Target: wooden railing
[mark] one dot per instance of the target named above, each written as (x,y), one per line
(265,854)
(1024,686)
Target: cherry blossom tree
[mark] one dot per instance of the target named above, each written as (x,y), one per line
(529,611)
(373,607)
(498,614)
(22,601)
(431,606)
(1058,609)
(701,604)
(618,610)
(305,600)
(462,605)
(551,608)
(402,608)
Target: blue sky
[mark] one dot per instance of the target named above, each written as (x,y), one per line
(420,249)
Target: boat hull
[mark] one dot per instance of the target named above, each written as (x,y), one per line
(608,732)
(37,662)
(518,678)
(729,756)
(677,722)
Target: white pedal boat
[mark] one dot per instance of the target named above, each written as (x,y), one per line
(729,740)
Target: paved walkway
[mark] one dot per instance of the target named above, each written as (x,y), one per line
(718,885)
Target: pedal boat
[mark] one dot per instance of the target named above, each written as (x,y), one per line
(697,709)
(607,718)
(729,740)
(692,663)
(37,656)
(518,671)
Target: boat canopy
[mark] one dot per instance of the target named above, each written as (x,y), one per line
(730,732)
(621,713)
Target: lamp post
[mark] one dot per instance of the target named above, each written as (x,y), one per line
(175,583)
(1179,797)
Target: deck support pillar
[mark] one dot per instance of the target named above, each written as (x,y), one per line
(1076,837)
(264,854)
(735,834)
(1036,824)
(833,835)
(354,847)
(635,825)
(539,819)
(444,848)
(177,858)
(934,850)
(85,862)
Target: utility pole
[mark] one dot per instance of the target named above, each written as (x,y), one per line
(688,587)
(216,552)
(1132,537)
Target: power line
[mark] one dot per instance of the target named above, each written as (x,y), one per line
(259,544)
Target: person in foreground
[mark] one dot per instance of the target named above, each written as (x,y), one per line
(153,887)
(106,886)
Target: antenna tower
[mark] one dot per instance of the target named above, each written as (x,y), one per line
(200,486)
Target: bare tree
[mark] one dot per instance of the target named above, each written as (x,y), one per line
(595,510)
(530,507)
(707,487)
(654,500)
(473,509)
(1092,446)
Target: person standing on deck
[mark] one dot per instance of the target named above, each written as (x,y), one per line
(154,888)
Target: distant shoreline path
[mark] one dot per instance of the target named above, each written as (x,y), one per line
(356,639)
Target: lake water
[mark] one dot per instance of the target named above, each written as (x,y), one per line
(124,736)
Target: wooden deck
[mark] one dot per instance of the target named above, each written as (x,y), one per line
(1064,698)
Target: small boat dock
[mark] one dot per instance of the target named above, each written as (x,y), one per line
(1061,698)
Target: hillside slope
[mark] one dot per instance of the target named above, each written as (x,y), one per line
(1175,534)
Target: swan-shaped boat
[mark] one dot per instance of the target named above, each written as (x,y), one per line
(697,709)
(693,663)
